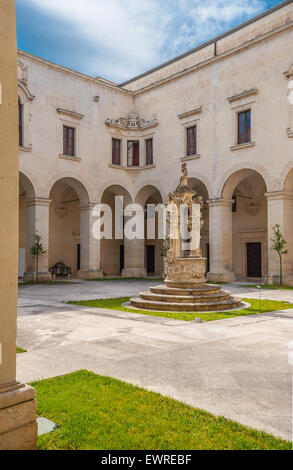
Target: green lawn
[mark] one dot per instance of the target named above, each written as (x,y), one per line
(20,350)
(116,304)
(100,413)
(268,286)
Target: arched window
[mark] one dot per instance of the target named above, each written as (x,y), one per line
(20,122)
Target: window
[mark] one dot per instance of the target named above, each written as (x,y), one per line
(116,152)
(69,141)
(133,153)
(149,152)
(20,122)
(244,127)
(191,141)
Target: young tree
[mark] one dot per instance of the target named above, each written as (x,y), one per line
(279,245)
(37,251)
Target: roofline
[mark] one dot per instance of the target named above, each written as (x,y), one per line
(209,42)
(62,68)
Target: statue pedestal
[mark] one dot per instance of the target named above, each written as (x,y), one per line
(185,290)
(190,271)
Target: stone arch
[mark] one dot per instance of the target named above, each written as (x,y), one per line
(236,170)
(75,184)
(150,185)
(288,181)
(26,185)
(235,178)
(248,222)
(144,193)
(198,177)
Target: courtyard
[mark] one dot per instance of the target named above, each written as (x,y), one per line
(236,367)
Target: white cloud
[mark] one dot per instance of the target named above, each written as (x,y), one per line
(133,35)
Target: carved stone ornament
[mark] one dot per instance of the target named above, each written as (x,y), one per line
(132,122)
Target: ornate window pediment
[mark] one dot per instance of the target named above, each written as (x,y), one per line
(133,122)
(22,71)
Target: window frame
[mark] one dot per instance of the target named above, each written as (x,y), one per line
(138,144)
(20,123)
(66,141)
(247,130)
(190,152)
(151,162)
(115,139)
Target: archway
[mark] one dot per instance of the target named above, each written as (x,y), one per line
(26,193)
(68,225)
(150,196)
(113,252)
(248,219)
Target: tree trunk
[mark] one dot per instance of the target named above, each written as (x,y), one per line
(281,271)
(37,269)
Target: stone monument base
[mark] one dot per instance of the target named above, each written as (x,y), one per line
(18,426)
(185,290)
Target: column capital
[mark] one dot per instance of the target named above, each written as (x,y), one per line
(220,202)
(89,206)
(38,201)
(279,195)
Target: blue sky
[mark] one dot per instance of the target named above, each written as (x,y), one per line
(118,39)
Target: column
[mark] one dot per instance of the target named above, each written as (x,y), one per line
(221,241)
(90,257)
(280,211)
(18,427)
(38,210)
(134,256)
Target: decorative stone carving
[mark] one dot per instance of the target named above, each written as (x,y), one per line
(132,122)
(185,288)
(22,72)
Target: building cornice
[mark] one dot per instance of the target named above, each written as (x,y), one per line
(70,113)
(192,112)
(67,71)
(216,58)
(214,41)
(243,94)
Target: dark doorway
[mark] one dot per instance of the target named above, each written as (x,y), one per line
(150,259)
(208,257)
(78,256)
(254,260)
(122,262)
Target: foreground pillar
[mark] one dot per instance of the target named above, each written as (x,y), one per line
(221,241)
(280,211)
(90,256)
(18,427)
(134,255)
(38,210)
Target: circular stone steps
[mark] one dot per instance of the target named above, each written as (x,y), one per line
(201,291)
(191,299)
(231,304)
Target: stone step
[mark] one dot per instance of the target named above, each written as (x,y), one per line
(202,291)
(185,298)
(223,305)
(188,284)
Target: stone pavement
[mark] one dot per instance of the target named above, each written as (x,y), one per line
(236,367)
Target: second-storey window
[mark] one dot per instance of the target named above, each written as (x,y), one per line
(191,141)
(20,122)
(149,152)
(133,153)
(69,141)
(116,152)
(244,127)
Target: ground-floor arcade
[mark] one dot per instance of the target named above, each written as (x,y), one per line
(235,239)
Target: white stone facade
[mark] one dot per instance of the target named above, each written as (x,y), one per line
(250,68)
